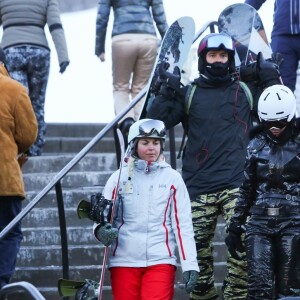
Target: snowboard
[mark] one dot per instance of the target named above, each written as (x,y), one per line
(174,49)
(242,22)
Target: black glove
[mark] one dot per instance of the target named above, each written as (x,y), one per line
(234,241)
(63,66)
(248,72)
(190,279)
(172,80)
(267,71)
(106,234)
(98,205)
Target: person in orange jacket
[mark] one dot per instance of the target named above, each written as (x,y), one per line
(18,131)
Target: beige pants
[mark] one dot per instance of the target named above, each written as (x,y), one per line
(133,57)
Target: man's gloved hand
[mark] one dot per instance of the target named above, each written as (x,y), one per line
(267,71)
(234,241)
(63,66)
(248,72)
(106,234)
(172,80)
(190,279)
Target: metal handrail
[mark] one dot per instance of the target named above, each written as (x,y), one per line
(83,152)
(20,287)
(56,180)
(70,165)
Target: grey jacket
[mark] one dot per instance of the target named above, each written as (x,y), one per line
(24,21)
(130,16)
(153,216)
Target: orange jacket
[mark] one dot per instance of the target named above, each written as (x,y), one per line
(18,131)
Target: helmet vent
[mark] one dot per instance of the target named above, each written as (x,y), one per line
(266,97)
(278,96)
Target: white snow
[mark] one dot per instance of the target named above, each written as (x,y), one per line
(84,92)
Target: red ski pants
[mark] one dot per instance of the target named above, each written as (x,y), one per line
(148,283)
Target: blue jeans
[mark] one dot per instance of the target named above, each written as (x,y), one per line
(288,46)
(10,244)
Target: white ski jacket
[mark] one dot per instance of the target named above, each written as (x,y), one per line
(153,216)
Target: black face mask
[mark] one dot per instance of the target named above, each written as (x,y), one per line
(283,137)
(218,69)
(217,73)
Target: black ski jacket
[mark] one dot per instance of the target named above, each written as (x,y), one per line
(218,128)
(272,177)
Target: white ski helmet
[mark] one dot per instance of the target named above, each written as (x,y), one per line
(276,102)
(147,128)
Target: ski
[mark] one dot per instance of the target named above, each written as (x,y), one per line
(242,22)
(174,49)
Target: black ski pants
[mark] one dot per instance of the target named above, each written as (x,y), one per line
(272,248)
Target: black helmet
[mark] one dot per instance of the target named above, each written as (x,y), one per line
(216,41)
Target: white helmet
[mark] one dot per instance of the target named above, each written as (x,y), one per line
(147,128)
(276,102)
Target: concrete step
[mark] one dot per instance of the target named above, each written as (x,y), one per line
(91,162)
(85,130)
(71,138)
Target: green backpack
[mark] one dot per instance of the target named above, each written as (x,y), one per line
(191,90)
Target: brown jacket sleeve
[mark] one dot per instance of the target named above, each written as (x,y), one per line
(25,122)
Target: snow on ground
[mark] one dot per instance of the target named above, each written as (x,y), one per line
(83,94)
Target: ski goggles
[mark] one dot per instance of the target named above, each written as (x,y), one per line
(218,42)
(151,127)
(277,124)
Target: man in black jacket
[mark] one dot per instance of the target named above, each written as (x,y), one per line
(270,197)
(218,114)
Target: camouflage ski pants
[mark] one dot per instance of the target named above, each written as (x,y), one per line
(30,66)
(205,212)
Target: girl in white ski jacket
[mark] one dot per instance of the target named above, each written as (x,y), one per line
(153,216)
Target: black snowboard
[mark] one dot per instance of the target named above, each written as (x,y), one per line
(174,49)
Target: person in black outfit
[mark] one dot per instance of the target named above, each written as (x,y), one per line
(218,116)
(270,196)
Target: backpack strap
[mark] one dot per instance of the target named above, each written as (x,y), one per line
(189,97)
(248,93)
(187,100)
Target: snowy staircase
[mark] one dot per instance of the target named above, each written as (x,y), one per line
(39,261)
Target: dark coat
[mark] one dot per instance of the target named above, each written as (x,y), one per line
(218,123)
